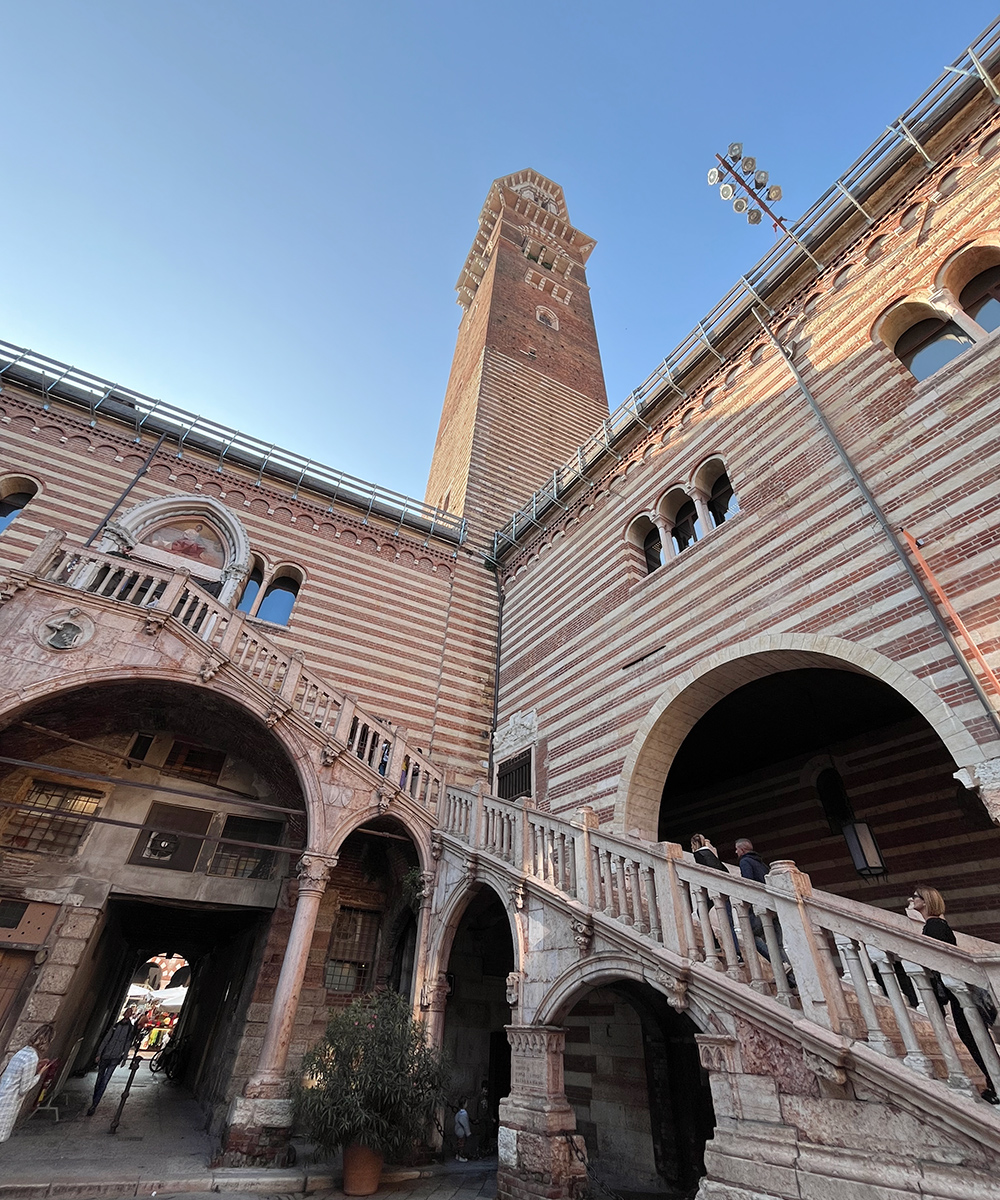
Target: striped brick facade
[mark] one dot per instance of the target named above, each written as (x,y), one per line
(619,664)
(402,621)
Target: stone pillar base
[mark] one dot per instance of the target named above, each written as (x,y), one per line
(540,1166)
(257,1134)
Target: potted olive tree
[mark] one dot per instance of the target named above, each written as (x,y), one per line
(371,1086)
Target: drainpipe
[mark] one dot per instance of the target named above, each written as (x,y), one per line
(949,608)
(887,529)
(495,568)
(121,499)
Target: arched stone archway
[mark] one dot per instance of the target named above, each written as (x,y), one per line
(690,696)
(622,1066)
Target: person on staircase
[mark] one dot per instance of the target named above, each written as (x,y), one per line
(706,855)
(752,866)
(927,905)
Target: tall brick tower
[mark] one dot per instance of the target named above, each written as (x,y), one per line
(526,385)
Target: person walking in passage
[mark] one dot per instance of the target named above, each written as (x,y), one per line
(927,905)
(23,1071)
(463,1130)
(111,1054)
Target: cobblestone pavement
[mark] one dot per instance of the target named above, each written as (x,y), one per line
(162,1149)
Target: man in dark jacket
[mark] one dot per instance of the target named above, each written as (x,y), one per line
(111,1053)
(752,866)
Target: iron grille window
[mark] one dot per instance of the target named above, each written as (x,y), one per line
(194,762)
(58,830)
(12,913)
(514,776)
(244,862)
(352,950)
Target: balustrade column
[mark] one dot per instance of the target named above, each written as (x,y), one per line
(586,820)
(957,1077)
(877,1038)
(914,1056)
(269,1078)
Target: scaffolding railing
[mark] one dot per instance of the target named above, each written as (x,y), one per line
(144,414)
(903,140)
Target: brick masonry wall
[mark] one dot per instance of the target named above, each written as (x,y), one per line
(591,642)
(406,625)
(521,395)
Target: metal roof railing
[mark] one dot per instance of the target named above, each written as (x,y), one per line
(225,445)
(901,141)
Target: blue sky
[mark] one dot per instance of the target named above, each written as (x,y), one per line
(258,211)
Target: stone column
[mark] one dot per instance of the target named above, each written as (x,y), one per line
(259,1121)
(540,1153)
(945,302)
(666,538)
(700,499)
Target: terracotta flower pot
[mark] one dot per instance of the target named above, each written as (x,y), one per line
(362,1170)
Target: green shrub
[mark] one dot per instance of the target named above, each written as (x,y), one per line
(372,1079)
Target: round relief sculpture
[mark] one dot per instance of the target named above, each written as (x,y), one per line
(68,629)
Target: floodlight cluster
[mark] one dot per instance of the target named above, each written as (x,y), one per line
(755,185)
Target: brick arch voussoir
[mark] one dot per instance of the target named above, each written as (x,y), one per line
(294,746)
(690,696)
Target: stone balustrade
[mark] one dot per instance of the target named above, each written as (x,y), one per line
(235,642)
(839,964)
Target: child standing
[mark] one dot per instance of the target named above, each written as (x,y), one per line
(462,1130)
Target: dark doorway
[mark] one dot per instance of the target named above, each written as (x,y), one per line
(482,956)
(219,944)
(752,767)
(641,1098)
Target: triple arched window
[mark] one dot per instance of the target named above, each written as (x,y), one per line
(964,309)
(685,515)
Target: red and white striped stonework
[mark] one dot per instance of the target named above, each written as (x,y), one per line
(618,664)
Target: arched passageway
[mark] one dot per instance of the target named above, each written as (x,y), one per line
(641,1097)
(763,762)
(482,956)
(159,818)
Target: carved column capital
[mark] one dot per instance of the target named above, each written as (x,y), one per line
(434,994)
(583,934)
(314,871)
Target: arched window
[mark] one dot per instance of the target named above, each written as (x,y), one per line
(981,299)
(926,346)
(279,600)
(686,529)
(251,588)
(722,502)
(13,501)
(652,548)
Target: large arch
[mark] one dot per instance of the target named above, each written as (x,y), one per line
(695,691)
(242,699)
(448,919)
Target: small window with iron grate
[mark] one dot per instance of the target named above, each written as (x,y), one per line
(352,950)
(514,776)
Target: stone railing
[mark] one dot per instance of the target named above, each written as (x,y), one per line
(858,971)
(234,642)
